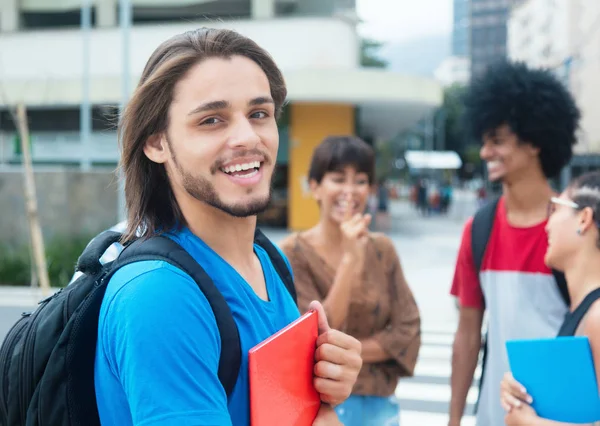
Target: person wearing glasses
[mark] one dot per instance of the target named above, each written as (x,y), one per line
(574,248)
(526,120)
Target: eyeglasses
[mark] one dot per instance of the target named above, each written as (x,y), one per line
(567,203)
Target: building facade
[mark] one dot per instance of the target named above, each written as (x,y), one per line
(487,33)
(540,33)
(453,70)
(456,68)
(43,51)
(460,28)
(562,36)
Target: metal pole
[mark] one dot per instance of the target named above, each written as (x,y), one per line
(566,172)
(429,126)
(85,112)
(441,129)
(125,18)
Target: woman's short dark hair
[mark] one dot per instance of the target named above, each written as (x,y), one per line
(533,103)
(337,152)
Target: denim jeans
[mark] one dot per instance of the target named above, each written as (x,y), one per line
(359,410)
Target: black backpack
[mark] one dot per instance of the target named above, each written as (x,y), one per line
(47,358)
(481,229)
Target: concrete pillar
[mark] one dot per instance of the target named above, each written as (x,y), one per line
(262,9)
(9,15)
(106,13)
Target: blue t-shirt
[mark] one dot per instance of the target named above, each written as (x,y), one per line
(158,343)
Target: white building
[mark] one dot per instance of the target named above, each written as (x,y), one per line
(315,43)
(563,35)
(454,69)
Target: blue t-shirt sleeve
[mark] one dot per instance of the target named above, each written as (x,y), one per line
(162,343)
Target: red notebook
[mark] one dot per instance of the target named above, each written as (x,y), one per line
(281,376)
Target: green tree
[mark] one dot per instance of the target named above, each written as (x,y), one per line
(455,136)
(369,54)
(471,154)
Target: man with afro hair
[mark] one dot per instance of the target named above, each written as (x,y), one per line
(527,121)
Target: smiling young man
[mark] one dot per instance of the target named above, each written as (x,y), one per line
(199,142)
(527,121)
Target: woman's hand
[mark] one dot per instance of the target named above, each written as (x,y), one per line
(327,417)
(355,232)
(524,415)
(513,394)
(338,361)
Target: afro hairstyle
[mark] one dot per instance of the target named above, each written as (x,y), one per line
(533,103)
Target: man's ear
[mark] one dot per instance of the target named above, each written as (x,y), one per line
(534,151)
(157,149)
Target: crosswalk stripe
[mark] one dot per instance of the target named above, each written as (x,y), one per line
(436,368)
(437,338)
(424,399)
(418,418)
(408,389)
(436,352)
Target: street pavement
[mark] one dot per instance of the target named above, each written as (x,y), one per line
(427,247)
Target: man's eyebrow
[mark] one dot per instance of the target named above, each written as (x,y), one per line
(261,100)
(217,105)
(210,106)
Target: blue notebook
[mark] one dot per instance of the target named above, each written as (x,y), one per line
(559,374)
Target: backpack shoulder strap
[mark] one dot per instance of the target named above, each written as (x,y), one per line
(89,261)
(278,262)
(574,318)
(164,248)
(481,230)
(561,283)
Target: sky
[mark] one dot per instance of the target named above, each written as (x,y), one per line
(401,20)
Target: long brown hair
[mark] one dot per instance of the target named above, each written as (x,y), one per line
(151,204)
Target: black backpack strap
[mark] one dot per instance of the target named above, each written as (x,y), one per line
(89,261)
(163,248)
(481,229)
(561,283)
(573,319)
(278,262)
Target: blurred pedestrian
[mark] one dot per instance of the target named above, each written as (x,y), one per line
(527,121)
(358,277)
(574,248)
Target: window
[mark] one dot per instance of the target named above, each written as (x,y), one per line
(207,10)
(547,51)
(63,19)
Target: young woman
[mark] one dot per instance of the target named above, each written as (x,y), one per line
(357,276)
(574,248)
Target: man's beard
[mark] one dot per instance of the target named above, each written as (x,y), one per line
(203,190)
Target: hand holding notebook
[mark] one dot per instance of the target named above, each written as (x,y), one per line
(559,374)
(281,376)
(291,372)
(338,361)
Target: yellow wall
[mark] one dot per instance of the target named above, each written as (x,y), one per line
(309,125)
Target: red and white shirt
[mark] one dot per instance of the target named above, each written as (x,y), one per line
(517,290)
